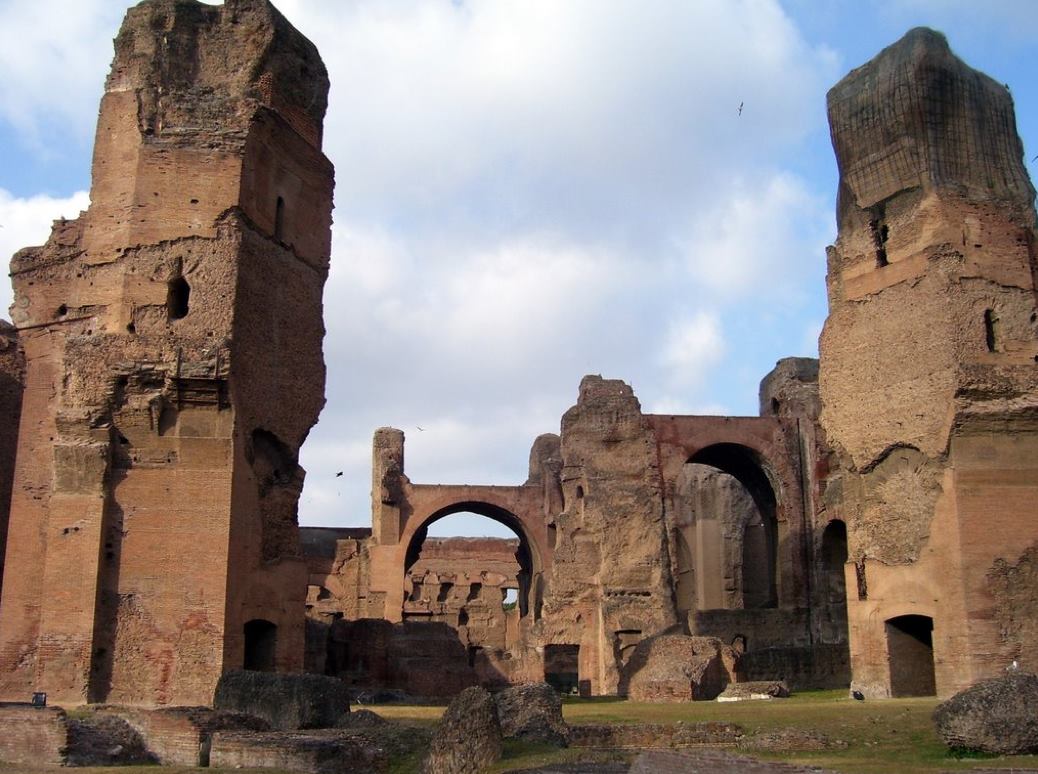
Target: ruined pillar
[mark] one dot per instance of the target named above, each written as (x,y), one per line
(610,580)
(387,478)
(173,339)
(928,379)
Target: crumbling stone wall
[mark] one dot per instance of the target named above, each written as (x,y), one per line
(928,383)
(154,503)
(12,380)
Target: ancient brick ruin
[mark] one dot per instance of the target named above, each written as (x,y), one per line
(873,526)
(152,532)
(929,382)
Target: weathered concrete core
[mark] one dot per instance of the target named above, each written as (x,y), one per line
(929,386)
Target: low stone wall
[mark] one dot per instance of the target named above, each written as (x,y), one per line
(649,735)
(326,751)
(181,736)
(33,735)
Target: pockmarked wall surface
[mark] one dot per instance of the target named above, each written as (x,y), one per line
(173,344)
(929,381)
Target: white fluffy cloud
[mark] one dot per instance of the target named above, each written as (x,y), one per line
(26,223)
(54,55)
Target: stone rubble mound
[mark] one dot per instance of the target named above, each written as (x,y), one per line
(468,739)
(997,716)
(755,689)
(532,712)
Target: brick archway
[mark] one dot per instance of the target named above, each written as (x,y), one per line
(763,454)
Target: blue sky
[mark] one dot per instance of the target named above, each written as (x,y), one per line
(531,191)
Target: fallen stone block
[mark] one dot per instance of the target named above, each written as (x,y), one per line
(997,716)
(286,701)
(468,738)
(756,690)
(532,712)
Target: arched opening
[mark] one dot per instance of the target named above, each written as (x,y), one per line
(727,541)
(261,638)
(471,568)
(910,655)
(834,557)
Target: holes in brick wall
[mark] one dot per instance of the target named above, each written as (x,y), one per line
(61,311)
(880,235)
(279,219)
(178,298)
(992,331)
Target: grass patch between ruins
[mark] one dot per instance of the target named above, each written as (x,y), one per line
(881,736)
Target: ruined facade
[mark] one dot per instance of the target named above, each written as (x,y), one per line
(173,341)
(629,525)
(929,385)
(875,523)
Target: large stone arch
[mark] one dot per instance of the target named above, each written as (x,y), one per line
(763,454)
(416,506)
(430,504)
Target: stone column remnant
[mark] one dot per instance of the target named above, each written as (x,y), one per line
(173,339)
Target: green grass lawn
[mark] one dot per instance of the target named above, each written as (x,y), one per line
(894,735)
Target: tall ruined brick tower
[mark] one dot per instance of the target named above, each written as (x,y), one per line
(173,344)
(929,380)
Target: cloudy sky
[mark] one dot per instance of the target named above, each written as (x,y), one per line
(530,191)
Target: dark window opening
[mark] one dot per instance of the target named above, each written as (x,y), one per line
(580,492)
(463,617)
(562,667)
(178,296)
(260,645)
(445,592)
(910,653)
(991,330)
(834,557)
(775,405)
(475,590)
(279,219)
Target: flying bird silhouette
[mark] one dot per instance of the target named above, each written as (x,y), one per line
(420,428)
(740,107)
(338,474)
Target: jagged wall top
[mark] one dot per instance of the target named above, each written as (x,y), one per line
(918,116)
(204,69)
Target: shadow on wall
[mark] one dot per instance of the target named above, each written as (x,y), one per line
(420,658)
